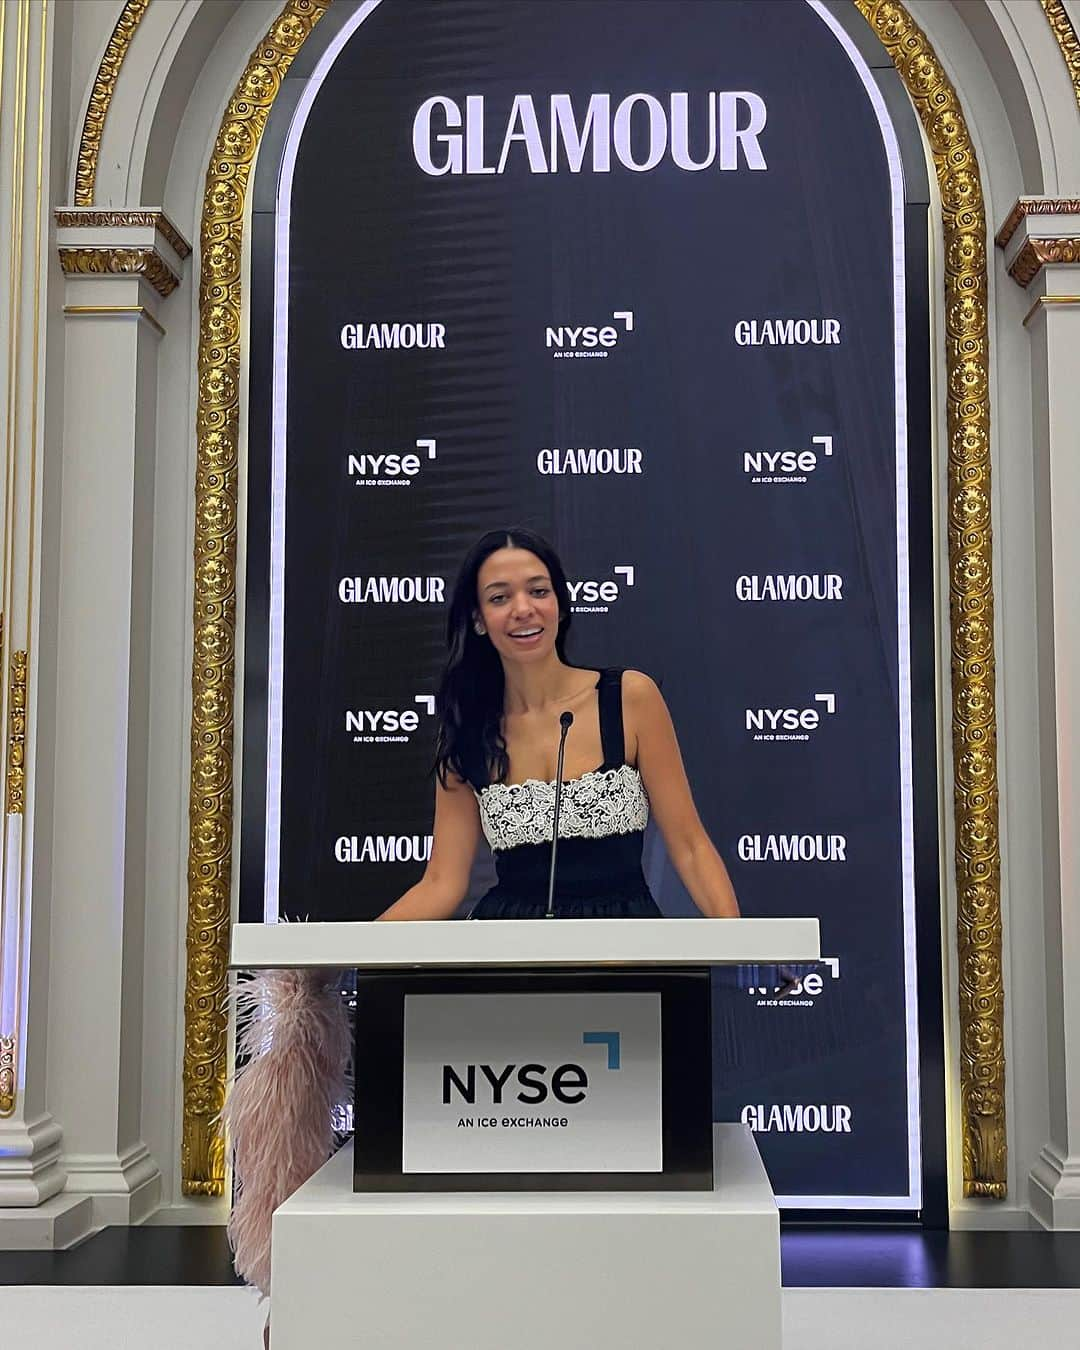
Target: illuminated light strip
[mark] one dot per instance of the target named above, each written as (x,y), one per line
(913,1200)
(278,452)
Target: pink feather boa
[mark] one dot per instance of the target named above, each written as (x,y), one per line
(293,1047)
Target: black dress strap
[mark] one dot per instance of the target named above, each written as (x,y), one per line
(612,739)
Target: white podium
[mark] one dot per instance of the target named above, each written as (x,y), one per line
(634,1224)
(533,1271)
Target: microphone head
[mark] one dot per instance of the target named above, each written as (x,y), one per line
(566,721)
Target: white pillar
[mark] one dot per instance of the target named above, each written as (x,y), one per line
(33,1212)
(119,266)
(1041,239)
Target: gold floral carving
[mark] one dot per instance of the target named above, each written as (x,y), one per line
(1062,27)
(101,97)
(105,261)
(1035,253)
(16,756)
(90,220)
(1035,206)
(213,671)
(971,595)
(7,1075)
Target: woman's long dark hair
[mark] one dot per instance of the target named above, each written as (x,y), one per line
(470,699)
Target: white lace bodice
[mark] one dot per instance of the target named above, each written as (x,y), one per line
(599,803)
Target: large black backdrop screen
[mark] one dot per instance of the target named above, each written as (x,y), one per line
(684,512)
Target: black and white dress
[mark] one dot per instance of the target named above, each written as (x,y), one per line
(601,828)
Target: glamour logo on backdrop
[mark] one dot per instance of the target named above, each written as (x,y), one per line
(785,1119)
(386,726)
(381,469)
(785,466)
(788,724)
(787,332)
(597,597)
(557,134)
(392,336)
(392,590)
(589,460)
(588,340)
(790,586)
(793,848)
(382,848)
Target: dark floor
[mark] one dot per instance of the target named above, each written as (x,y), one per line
(812,1257)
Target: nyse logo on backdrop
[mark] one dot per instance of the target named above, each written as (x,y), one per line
(790,586)
(388,468)
(833,1118)
(392,336)
(386,726)
(723,127)
(788,333)
(587,340)
(590,460)
(382,848)
(597,597)
(793,848)
(392,590)
(803,993)
(785,466)
(788,724)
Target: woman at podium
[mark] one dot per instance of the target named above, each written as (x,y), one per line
(511,710)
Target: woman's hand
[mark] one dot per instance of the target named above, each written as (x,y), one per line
(700,868)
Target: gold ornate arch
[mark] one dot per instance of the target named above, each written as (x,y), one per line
(982,1067)
(101,96)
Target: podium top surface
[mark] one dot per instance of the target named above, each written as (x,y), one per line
(524,943)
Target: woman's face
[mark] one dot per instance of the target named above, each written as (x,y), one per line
(517,605)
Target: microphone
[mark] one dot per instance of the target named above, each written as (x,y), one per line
(566,721)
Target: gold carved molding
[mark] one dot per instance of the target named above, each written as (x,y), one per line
(106,261)
(68,219)
(213,671)
(1065,34)
(100,98)
(1035,206)
(971,596)
(7,1075)
(1035,253)
(16,750)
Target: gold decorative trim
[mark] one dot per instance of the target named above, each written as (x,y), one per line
(16,761)
(7,1075)
(100,98)
(1035,206)
(971,595)
(144,262)
(1050,300)
(202,1157)
(140,311)
(67,219)
(1065,34)
(1035,253)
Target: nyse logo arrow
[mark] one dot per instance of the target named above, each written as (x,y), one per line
(613,1042)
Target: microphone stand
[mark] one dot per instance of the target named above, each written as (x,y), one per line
(565,722)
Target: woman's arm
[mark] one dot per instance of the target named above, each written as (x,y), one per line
(660,764)
(446,878)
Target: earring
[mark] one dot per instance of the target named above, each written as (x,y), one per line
(479,629)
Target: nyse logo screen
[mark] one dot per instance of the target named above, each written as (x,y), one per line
(557,273)
(532,1083)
